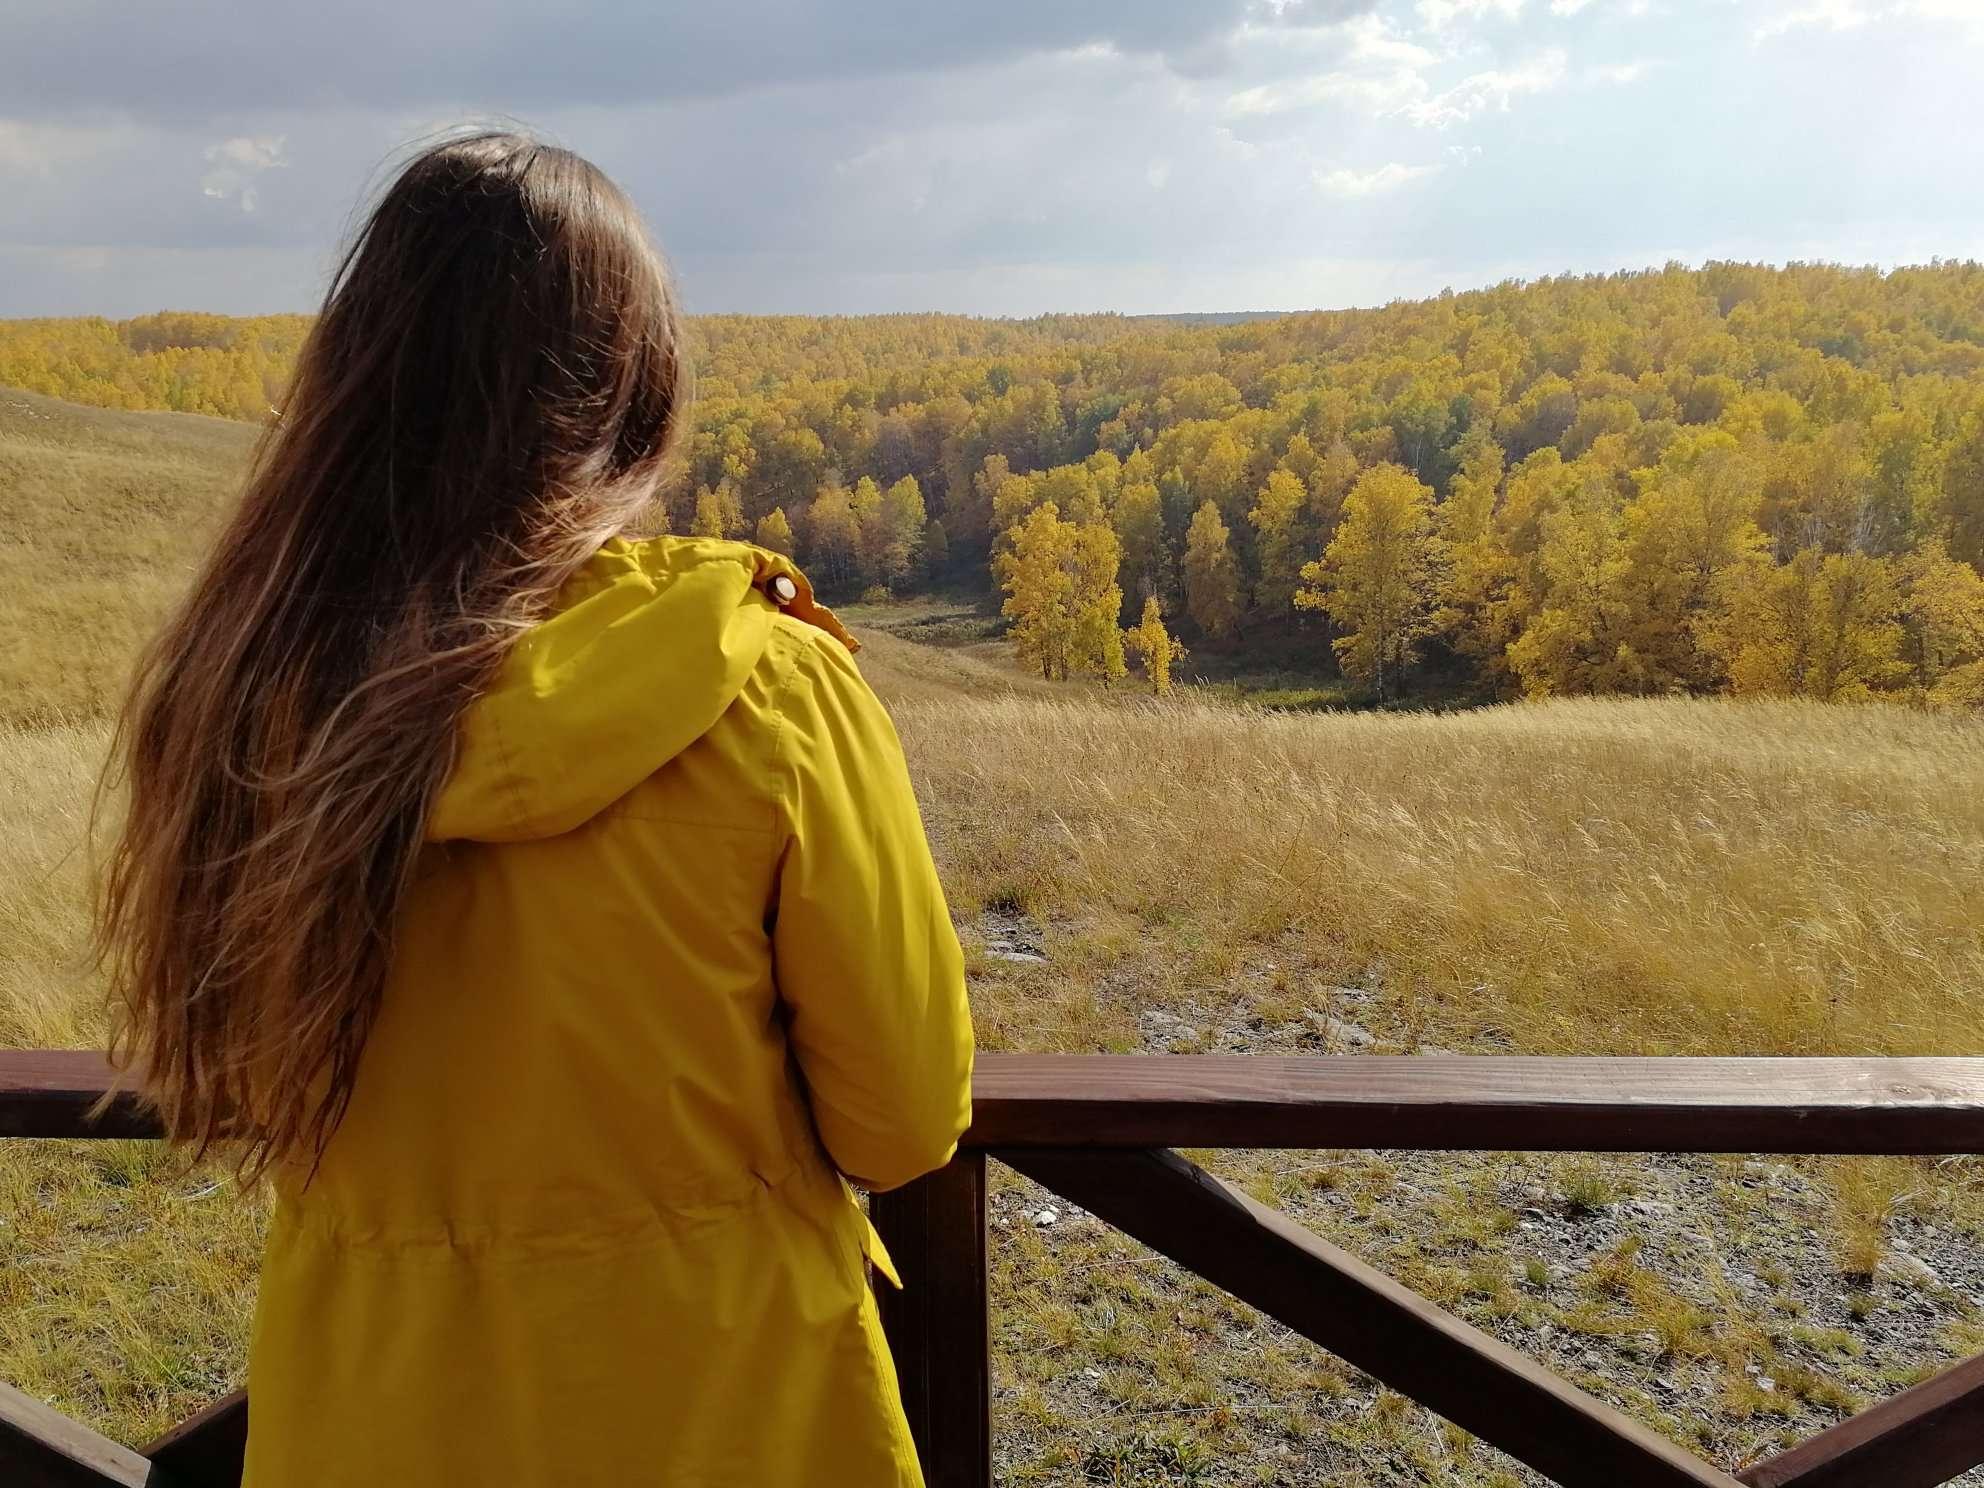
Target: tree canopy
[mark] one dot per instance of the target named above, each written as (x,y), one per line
(1632,482)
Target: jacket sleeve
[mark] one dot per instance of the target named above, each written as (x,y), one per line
(867,962)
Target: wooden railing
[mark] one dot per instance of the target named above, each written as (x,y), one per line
(1098,1131)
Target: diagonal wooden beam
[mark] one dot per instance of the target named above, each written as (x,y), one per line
(1266,1259)
(1923,1436)
(206,1450)
(42,1448)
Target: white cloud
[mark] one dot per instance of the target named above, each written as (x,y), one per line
(1440,14)
(1375,39)
(1157,173)
(1488,90)
(1567,7)
(1833,15)
(1617,73)
(1850,15)
(1966,14)
(256,152)
(1388,177)
(1377,94)
(1230,143)
(237,161)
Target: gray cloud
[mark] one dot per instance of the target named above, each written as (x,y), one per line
(1138,155)
(173,62)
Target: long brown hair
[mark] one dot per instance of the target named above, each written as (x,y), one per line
(487,396)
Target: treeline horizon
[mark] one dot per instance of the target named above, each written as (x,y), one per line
(1729,479)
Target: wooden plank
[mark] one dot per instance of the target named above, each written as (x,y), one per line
(938,1325)
(1266,1259)
(1452,1102)
(42,1448)
(1923,1436)
(48,1093)
(1482,1103)
(207,1449)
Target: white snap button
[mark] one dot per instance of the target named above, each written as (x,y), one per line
(783,589)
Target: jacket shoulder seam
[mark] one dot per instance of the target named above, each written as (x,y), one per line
(794,638)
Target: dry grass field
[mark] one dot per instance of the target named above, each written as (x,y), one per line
(1657,877)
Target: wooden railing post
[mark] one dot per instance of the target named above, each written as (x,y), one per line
(938,1326)
(206,1449)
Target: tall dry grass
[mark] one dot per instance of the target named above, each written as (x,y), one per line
(1584,876)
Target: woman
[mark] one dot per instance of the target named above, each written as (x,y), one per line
(546,913)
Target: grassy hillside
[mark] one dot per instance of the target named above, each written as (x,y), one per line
(1585,875)
(104,513)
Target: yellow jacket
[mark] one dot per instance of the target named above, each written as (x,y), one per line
(675,954)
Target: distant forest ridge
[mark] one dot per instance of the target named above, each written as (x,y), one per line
(1734,478)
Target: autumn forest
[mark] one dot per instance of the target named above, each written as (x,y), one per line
(1728,480)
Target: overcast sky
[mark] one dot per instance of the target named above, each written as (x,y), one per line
(1005,157)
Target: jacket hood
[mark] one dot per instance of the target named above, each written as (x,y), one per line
(646,647)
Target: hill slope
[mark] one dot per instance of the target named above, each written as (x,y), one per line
(105,513)
(1582,876)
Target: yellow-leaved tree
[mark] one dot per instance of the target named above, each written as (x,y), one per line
(719,513)
(1139,523)
(833,539)
(1944,620)
(1572,645)
(1822,626)
(1375,580)
(1278,518)
(1694,517)
(775,532)
(1039,581)
(1154,646)
(1095,645)
(1062,596)
(1212,578)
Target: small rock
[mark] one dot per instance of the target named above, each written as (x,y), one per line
(1336,1032)
(1904,1267)
(1007,953)
(1045,1218)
